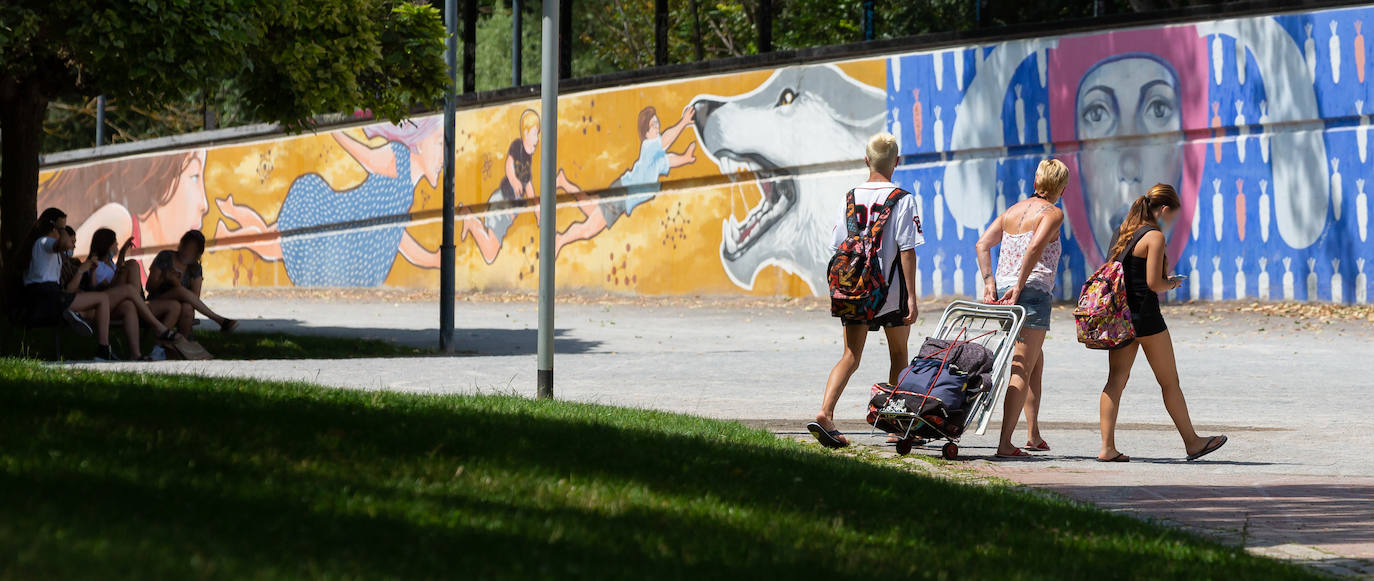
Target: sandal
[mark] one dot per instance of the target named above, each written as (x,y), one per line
(1019,453)
(1043,447)
(827,438)
(1119,457)
(1213,443)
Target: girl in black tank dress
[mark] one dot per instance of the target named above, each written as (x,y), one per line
(1142,300)
(1140,246)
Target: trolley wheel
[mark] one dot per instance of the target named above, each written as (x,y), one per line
(950,451)
(903,447)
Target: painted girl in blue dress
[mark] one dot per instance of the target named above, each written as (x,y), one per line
(369,220)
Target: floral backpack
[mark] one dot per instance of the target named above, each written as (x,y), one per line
(1102,316)
(857,286)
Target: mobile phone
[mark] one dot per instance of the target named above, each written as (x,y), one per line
(1178,277)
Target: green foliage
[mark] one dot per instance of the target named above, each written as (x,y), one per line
(145,476)
(281,60)
(609,36)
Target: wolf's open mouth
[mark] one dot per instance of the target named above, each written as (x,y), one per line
(779,195)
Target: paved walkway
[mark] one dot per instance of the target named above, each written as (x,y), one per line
(1295,479)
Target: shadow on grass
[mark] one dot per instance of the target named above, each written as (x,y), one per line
(116,475)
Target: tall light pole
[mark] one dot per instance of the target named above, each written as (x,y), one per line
(100,120)
(446,266)
(548,169)
(516,44)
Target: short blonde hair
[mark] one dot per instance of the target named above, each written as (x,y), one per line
(1051,177)
(882,153)
(528,120)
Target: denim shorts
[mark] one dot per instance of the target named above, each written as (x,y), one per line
(1037,304)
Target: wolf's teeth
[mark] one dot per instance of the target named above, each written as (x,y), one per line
(731,237)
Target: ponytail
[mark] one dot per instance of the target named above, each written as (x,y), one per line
(1141,214)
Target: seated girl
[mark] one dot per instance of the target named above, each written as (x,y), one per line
(174,281)
(100,273)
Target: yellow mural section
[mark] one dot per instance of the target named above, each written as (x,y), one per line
(669,244)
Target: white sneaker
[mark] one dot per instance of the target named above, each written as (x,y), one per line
(77,323)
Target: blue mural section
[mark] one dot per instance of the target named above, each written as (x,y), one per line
(1275,181)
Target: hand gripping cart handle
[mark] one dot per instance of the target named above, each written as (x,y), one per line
(996,328)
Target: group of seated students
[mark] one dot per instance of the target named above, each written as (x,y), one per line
(86,294)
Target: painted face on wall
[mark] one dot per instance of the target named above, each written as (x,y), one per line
(531,139)
(187,206)
(1128,116)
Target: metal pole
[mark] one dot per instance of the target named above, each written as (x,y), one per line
(765,24)
(696,32)
(548,168)
(469,46)
(517,43)
(565,38)
(868,19)
(100,121)
(446,266)
(660,32)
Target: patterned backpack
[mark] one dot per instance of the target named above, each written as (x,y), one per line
(1102,316)
(857,286)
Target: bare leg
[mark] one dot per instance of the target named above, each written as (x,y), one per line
(487,242)
(1023,361)
(180,294)
(128,274)
(594,224)
(121,294)
(167,311)
(897,338)
(129,315)
(1159,350)
(99,305)
(185,319)
(1032,408)
(854,338)
(1119,364)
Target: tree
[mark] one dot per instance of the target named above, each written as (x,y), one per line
(290,61)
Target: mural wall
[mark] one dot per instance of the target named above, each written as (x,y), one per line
(730,183)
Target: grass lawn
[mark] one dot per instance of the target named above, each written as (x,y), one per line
(241,345)
(106,475)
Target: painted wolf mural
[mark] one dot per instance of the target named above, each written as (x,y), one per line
(785,133)
(1262,124)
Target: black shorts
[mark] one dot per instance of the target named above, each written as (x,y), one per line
(896,318)
(44,303)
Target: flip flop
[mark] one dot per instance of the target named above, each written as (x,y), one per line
(827,438)
(1043,447)
(1119,457)
(1019,453)
(1209,448)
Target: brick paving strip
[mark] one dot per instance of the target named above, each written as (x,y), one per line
(1325,522)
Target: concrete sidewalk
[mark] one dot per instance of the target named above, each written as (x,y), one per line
(1290,394)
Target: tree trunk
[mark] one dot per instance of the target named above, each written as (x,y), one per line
(21,119)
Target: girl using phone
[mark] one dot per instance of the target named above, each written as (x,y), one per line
(1140,235)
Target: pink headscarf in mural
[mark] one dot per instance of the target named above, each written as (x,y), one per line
(1179,47)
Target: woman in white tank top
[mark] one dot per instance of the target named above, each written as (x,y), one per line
(1029,236)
